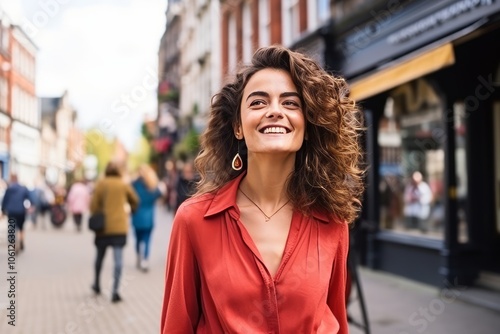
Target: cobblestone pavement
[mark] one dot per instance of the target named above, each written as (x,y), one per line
(54,274)
(396,305)
(53,296)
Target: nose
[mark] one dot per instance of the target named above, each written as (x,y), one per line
(274,110)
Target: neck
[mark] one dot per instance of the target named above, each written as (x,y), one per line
(265,185)
(267,174)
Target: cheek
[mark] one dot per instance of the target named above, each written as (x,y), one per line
(248,123)
(299,123)
(247,131)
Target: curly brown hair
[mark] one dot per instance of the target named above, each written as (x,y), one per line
(328,174)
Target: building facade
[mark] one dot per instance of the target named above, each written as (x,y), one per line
(169,84)
(5,118)
(248,25)
(199,43)
(61,147)
(23,107)
(427,77)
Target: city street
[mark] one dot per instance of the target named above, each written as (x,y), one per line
(53,296)
(54,274)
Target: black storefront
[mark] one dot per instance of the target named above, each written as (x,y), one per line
(427,74)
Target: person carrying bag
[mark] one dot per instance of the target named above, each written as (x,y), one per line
(97,220)
(110,197)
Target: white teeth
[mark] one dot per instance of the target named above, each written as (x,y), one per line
(275,129)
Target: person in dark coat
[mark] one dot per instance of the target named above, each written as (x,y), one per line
(13,205)
(111,196)
(186,183)
(149,191)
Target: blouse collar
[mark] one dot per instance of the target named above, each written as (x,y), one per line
(225,198)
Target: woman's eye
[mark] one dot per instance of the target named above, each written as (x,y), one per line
(256,103)
(292,103)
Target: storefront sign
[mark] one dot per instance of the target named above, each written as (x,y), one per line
(439,18)
(404,29)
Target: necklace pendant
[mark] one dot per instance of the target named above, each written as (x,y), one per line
(267,219)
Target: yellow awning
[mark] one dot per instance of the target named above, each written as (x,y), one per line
(403,72)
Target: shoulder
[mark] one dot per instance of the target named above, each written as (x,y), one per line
(194,208)
(338,235)
(99,186)
(198,203)
(117,182)
(332,223)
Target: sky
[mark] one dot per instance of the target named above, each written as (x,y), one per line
(104,53)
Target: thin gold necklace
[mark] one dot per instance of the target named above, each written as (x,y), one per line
(258,207)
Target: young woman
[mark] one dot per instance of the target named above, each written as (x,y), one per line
(147,187)
(262,246)
(78,201)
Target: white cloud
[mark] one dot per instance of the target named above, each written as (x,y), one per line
(105,53)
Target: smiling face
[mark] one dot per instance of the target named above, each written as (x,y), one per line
(272,118)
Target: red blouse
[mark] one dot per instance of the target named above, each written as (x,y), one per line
(216,281)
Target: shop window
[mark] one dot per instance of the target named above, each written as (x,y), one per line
(411,143)
(3,94)
(264,23)
(323,10)
(291,21)
(232,43)
(461,170)
(247,33)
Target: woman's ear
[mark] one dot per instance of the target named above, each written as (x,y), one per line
(238,133)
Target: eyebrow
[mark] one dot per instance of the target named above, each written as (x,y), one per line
(264,94)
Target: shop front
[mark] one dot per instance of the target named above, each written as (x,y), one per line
(427,75)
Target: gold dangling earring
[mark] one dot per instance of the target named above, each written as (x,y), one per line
(237,163)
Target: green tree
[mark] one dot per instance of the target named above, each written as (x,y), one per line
(141,153)
(188,146)
(100,145)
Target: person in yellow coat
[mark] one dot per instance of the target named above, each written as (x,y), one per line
(112,196)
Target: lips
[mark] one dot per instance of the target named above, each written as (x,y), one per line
(274,130)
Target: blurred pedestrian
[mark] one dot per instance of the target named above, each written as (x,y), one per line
(262,246)
(42,199)
(37,197)
(418,198)
(186,183)
(149,190)
(111,196)
(14,205)
(3,188)
(58,212)
(78,201)
(171,183)
(48,200)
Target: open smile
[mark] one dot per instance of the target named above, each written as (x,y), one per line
(275,129)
